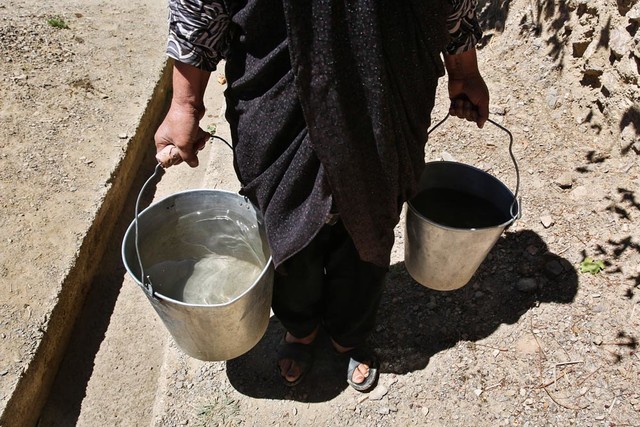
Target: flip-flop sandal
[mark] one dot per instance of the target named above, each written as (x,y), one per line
(301,354)
(358,356)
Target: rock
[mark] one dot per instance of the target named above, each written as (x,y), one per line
(579,47)
(378,393)
(527,285)
(123,136)
(425,411)
(628,69)
(609,84)
(579,193)
(565,181)
(547,221)
(552,98)
(619,42)
(447,157)
(633,14)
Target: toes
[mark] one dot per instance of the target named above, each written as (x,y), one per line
(289,370)
(360,373)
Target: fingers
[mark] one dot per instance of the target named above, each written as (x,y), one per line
(483,115)
(464,109)
(169,156)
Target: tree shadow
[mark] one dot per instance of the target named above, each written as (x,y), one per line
(493,14)
(415,323)
(631,117)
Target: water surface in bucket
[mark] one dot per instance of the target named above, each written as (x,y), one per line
(209,279)
(203,258)
(457,209)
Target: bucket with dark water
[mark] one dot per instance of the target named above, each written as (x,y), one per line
(202,259)
(456,217)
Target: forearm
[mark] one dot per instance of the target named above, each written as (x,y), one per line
(462,65)
(189,85)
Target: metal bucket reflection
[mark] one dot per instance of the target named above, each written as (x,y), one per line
(218,331)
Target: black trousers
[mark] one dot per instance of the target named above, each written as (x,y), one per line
(327,284)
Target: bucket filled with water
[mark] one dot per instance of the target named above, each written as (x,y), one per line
(202,258)
(456,217)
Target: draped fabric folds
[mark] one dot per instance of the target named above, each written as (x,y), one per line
(329,104)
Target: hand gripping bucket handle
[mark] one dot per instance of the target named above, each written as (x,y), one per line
(516,205)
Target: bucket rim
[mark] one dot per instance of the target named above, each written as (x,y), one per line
(131,228)
(456,229)
(478,170)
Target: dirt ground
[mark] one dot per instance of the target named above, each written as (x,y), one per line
(540,336)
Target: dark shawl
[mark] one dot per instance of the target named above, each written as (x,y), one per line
(329,105)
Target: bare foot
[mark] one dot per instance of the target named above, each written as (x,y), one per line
(289,368)
(361,372)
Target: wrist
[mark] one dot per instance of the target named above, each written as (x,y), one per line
(462,65)
(188,107)
(189,85)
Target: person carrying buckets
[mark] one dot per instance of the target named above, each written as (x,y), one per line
(329,105)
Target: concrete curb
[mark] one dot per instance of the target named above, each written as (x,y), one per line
(31,392)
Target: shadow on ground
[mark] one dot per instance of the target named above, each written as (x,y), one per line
(69,389)
(415,323)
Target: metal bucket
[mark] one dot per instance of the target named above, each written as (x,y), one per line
(209,331)
(445,257)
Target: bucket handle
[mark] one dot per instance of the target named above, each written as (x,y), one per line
(515,209)
(159,170)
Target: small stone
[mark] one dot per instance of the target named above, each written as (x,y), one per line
(3,373)
(552,98)
(447,157)
(378,393)
(424,411)
(477,392)
(619,42)
(123,136)
(565,181)
(597,340)
(527,285)
(633,14)
(547,221)
(384,411)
